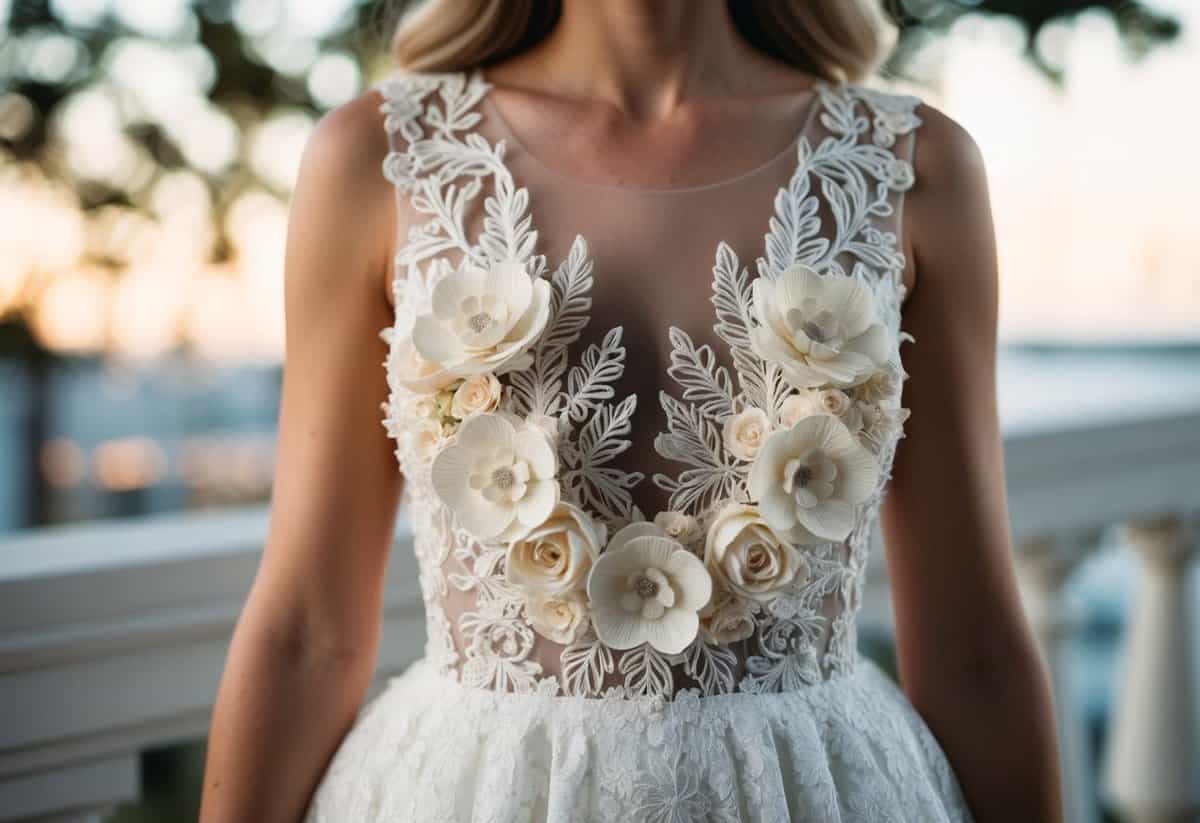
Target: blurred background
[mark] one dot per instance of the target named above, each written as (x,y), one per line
(147,154)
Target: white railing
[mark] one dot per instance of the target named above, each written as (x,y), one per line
(112,636)
(112,640)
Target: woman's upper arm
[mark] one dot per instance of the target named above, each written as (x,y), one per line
(337,486)
(945,516)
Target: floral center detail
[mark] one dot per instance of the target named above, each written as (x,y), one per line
(547,554)
(504,478)
(646,587)
(809,478)
(648,593)
(479,321)
(506,481)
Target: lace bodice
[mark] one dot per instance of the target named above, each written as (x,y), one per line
(694,517)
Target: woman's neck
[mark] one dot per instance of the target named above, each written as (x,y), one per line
(644,57)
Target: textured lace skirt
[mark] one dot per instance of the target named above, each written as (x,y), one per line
(428,749)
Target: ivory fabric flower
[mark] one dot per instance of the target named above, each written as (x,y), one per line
(498,476)
(555,557)
(820,401)
(745,432)
(422,407)
(647,588)
(808,479)
(426,437)
(726,619)
(561,618)
(409,369)
(478,393)
(747,557)
(883,386)
(483,320)
(881,424)
(819,329)
(678,526)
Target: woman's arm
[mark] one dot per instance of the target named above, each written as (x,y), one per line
(304,649)
(968,660)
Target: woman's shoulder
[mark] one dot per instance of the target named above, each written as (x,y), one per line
(349,142)
(341,194)
(947,215)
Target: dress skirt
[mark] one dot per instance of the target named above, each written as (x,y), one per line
(429,749)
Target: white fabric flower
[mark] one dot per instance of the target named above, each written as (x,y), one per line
(819,330)
(881,424)
(808,479)
(555,556)
(647,588)
(727,619)
(678,526)
(747,557)
(820,401)
(483,320)
(422,407)
(561,618)
(883,386)
(498,476)
(798,406)
(426,438)
(407,368)
(478,393)
(745,432)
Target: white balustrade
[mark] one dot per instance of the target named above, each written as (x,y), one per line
(1045,566)
(1153,770)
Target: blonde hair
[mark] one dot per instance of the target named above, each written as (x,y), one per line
(836,40)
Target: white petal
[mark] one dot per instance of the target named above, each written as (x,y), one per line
(510,282)
(767,470)
(531,444)
(452,289)
(530,323)
(855,306)
(449,472)
(823,431)
(794,284)
(858,474)
(537,504)
(654,550)
(800,536)
(486,433)
(617,629)
(729,523)
(434,341)
(487,521)
(694,584)
(672,632)
(872,344)
(606,580)
(515,361)
(801,373)
(639,529)
(831,519)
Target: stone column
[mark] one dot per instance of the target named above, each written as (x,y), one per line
(1153,768)
(1045,566)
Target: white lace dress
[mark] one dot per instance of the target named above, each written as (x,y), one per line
(642,542)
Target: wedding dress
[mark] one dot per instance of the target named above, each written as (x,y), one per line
(642,542)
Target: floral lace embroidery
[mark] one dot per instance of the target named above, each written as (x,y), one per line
(848,750)
(508,448)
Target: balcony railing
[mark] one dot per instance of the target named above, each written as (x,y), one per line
(113,635)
